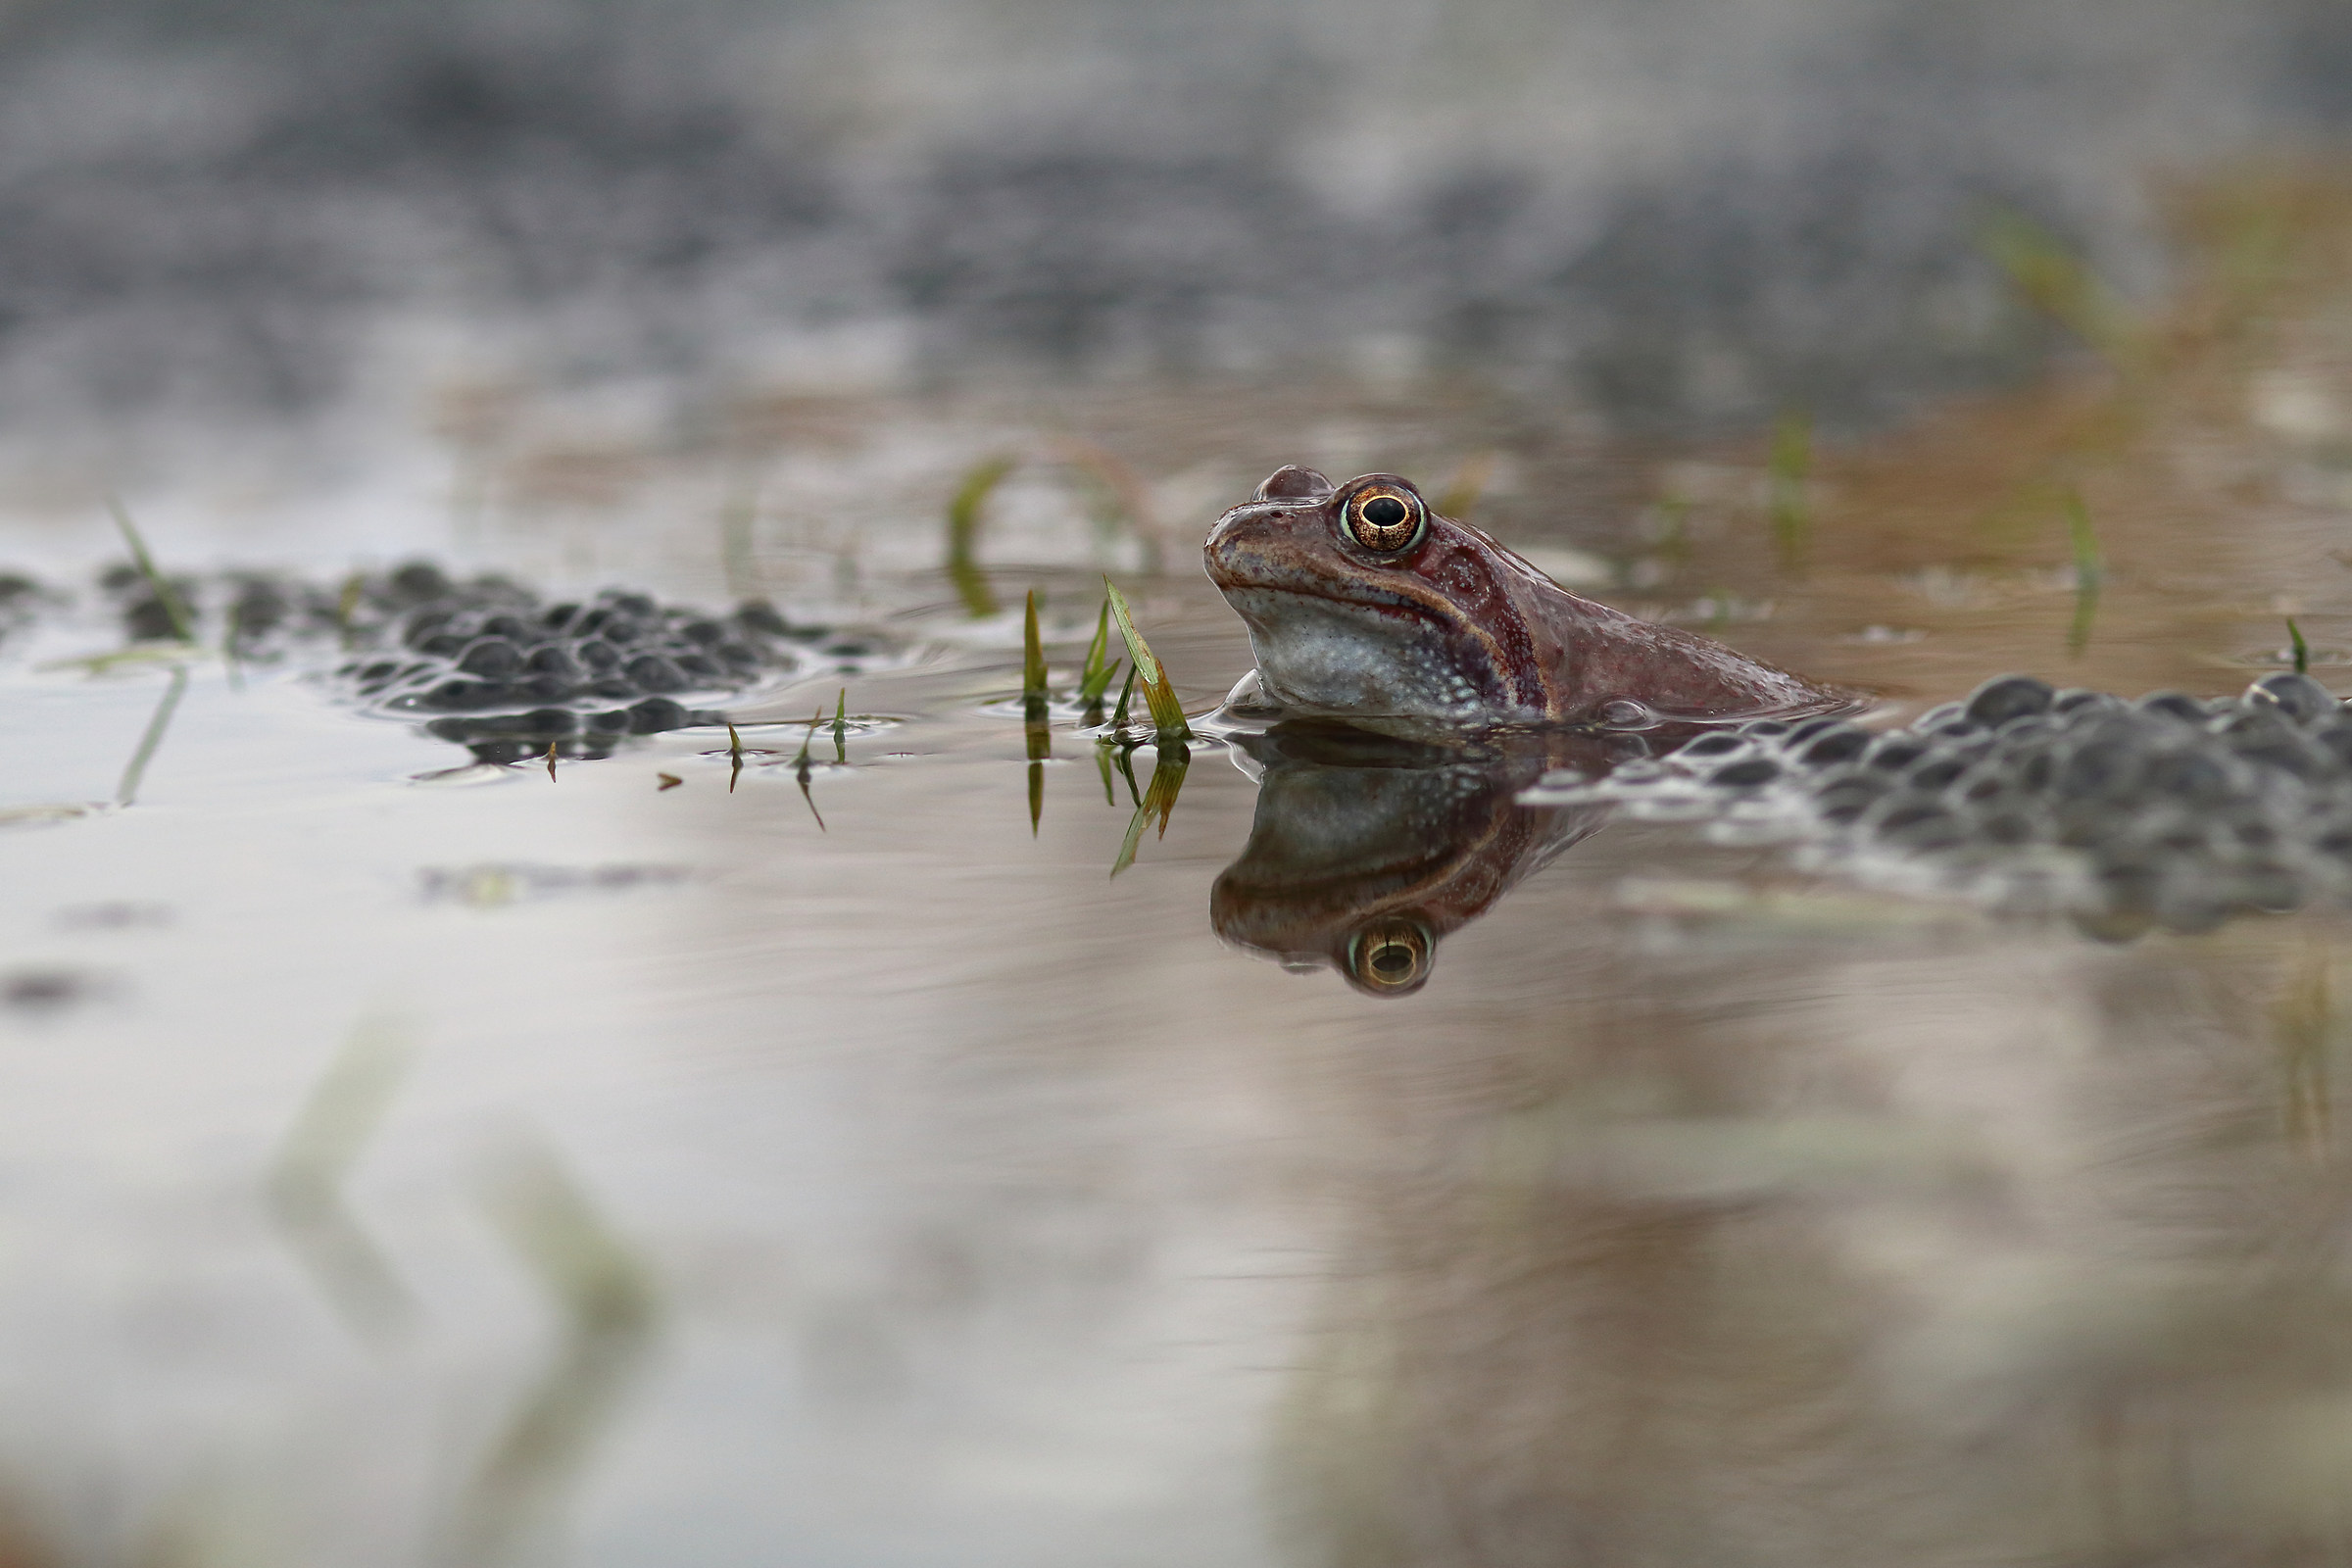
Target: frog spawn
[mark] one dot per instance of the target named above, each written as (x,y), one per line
(487,663)
(508,676)
(2170,810)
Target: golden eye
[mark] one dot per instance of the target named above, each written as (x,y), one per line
(1384,518)
(1390,956)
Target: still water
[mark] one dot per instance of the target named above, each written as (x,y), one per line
(825,1158)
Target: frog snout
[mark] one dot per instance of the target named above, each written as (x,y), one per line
(1228,554)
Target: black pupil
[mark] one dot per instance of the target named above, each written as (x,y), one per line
(1395,955)
(1384,511)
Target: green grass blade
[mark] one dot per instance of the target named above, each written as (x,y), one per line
(1167,713)
(1792,462)
(1118,714)
(1033,664)
(174,606)
(2294,637)
(347,605)
(841,727)
(2054,279)
(1093,678)
(738,515)
(965,514)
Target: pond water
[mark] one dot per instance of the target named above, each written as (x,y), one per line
(819,1156)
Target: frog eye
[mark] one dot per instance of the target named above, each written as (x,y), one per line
(1382,517)
(1390,956)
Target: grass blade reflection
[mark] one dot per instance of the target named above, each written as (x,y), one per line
(1159,800)
(2091,573)
(128,791)
(801,769)
(612,1312)
(345,1111)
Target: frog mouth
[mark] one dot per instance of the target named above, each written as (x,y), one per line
(1380,601)
(1263,606)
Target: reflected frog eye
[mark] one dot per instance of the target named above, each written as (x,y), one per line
(1390,956)
(1383,519)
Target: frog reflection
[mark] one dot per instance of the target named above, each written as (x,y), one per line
(1367,850)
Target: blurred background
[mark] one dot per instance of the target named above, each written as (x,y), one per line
(718,1153)
(1685,214)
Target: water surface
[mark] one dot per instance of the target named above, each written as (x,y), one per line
(409,1162)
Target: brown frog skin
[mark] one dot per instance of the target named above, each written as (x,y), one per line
(1362,602)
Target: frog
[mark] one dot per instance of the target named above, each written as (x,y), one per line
(1364,602)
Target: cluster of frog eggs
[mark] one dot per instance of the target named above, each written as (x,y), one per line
(495,668)
(511,676)
(2169,811)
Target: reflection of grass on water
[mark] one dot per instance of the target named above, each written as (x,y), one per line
(127,790)
(2304,1022)
(1170,732)
(1114,743)
(344,1112)
(1158,797)
(1035,729)
(801,769)
(612,1312)
(2091,573)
